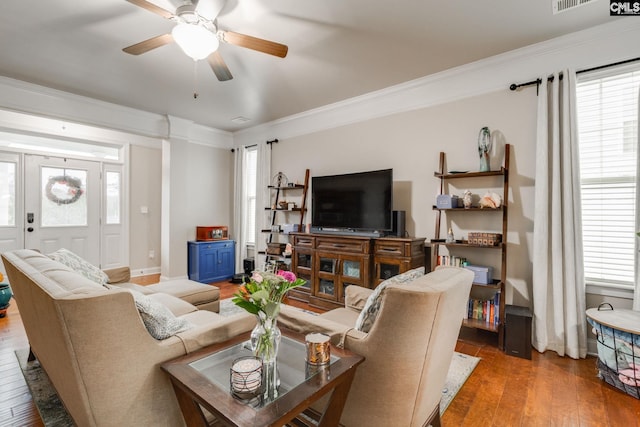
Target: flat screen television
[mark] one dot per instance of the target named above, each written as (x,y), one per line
(353,203)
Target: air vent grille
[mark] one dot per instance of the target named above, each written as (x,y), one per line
(564,5)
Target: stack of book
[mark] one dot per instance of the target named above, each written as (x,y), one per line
(485,310)
(455,261)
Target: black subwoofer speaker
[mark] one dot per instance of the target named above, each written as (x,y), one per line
(248,265)
(517,324)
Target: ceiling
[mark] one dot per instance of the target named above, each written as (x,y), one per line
(337,50)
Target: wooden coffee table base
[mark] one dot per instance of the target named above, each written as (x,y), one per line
(194,391)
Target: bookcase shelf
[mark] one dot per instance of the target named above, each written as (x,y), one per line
(483,299)
(281,216)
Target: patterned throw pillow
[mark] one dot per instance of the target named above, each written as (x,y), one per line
(370,311)
(79,265)
(158,319)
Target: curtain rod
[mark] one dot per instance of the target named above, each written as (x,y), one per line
(537,82)
(233,150)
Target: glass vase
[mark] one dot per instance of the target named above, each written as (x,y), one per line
(265,340)
(484,162)
(484,147)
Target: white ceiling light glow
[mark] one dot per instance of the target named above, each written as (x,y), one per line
(195,40)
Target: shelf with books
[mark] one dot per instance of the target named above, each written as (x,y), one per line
(283,212)
(488,296)
(484,313)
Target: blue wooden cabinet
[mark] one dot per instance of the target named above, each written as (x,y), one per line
(211,261)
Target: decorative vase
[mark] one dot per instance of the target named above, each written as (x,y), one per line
(467,199)
(484,146)
(5,297)
(265,340)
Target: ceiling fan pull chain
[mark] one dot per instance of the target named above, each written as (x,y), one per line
(195,79)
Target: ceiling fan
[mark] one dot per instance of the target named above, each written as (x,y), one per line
(198,36)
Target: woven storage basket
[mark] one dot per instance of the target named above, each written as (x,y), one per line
(618,340)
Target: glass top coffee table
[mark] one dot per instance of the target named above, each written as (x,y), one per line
(203,378)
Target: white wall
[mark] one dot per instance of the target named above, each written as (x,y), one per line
(197,191)
(145,178)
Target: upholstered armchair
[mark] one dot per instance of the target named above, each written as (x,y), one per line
(408,347)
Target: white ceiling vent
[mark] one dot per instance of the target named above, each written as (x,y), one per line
(564,5)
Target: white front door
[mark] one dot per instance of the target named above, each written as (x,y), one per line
(11,230)
(62,206)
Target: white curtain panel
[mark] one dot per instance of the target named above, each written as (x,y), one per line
(636,294)
(239,197)
(559,322)
(263,199)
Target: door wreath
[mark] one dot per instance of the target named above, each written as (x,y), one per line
(63,189)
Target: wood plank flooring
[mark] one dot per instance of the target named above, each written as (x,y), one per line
(502,391)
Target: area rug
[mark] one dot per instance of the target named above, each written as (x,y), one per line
(54,414)
(44,395)
(462,365)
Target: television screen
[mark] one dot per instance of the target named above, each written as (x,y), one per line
(356,201)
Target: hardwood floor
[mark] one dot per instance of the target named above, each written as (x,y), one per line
(502,391)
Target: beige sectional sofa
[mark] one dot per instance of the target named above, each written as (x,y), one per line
(94,346)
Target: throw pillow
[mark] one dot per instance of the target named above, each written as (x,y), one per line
(372,306)
(157,318)
(80,265)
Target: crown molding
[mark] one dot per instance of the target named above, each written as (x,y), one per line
(179,128)
(29,98)
(477,78)
(20,122)
(45,110)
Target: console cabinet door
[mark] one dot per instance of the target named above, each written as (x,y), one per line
(326,281)
(225,260)
(337,271)
(353,271)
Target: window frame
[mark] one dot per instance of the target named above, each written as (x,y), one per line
(250,208)
(595,285)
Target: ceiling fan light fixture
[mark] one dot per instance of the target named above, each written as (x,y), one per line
(195,40)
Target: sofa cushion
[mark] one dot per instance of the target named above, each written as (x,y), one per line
(368,314)
(157,318)
(345,316)
(78,264)
(195,293)
(355,297)
(118,275)
(175,305)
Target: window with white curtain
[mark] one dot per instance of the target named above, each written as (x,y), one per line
(251,167)
(607,109)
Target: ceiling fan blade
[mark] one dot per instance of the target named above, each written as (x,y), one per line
(150,44)
(219,67)
(254,43)
(152,8)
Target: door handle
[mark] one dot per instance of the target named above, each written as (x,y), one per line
(30,217)
(30,229)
